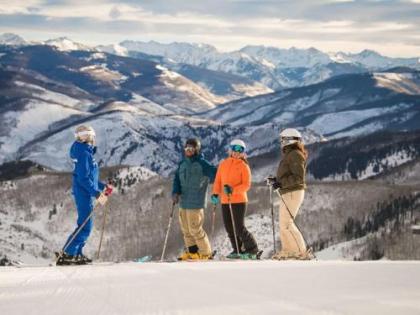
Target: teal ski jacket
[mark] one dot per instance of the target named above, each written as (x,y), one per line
(191,181)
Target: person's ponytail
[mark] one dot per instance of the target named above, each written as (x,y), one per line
(300,147)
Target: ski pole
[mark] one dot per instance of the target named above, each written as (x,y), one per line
(102,231)
(233,225)
(272,218)
(76,232)
(213,221)
(167,232)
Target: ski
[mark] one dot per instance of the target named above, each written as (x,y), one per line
(143,259)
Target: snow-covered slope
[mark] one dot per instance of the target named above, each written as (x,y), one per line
(37,214)
(267,287)
(108,77)
(400,81)
(45,91)
(363,157)
(347,105)
(127,135)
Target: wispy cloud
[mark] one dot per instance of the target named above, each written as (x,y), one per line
(391,26)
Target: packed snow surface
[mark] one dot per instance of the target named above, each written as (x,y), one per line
(233,287)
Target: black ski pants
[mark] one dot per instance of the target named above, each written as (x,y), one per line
(245,239)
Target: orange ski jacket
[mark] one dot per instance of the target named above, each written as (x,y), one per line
(235,173)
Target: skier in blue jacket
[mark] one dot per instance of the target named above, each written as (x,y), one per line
(86,187)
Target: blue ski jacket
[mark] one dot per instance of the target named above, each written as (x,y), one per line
(191,181)
(86,170)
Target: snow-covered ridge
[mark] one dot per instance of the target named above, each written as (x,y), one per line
(408,83)
(273,67)
(391,161)
(11,39)
(66,44)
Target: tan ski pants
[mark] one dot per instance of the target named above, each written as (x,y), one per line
(292,241)
(191,221)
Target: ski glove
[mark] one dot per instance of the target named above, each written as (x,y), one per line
(175,198)
(228,190)
(272,181)
(102,199)
(108,190)
(276,186)
(214,199)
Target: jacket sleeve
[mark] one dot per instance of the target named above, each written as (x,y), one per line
(246,181)
(176,184)
(297,169)
(217,186)
(208,170)
(83,171)
(101,186)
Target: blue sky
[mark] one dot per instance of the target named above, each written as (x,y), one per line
(389,27)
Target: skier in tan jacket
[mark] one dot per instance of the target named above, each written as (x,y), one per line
(290,184)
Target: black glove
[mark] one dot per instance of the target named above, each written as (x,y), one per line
(272,181)
(228,190)
(276,186)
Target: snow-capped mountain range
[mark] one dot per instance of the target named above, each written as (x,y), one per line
(144,106)
(275,67)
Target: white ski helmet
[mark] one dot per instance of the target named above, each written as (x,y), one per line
(85,133)
(239,143)
(289,136)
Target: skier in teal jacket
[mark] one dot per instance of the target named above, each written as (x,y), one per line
(190,185)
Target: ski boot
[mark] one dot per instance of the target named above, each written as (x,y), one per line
(253,255)
(198,256)
(234,255)
(201,257)
(83,260)
(308,255)
(66,259)
(184,256)
(282,255)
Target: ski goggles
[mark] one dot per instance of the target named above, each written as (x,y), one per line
(189,148)
(237,148)
(83,133)
(288,140)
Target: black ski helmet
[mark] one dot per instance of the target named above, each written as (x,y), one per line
(194,142)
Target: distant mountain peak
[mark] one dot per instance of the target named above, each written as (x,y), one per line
(11,39)
(369,52)
(66,44)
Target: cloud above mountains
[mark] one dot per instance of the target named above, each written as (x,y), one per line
(390,27)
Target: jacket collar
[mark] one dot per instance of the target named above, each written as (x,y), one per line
(87,147)
(195,157)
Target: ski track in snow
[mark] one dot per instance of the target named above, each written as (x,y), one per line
(238,287)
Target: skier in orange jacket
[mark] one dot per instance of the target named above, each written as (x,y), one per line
(233,180)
